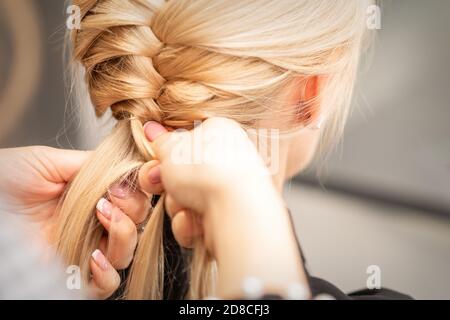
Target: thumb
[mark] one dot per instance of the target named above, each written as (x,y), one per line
(63,164)
(159,137)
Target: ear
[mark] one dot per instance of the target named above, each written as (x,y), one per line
(306,99)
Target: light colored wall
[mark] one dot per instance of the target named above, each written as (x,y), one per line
(342,235)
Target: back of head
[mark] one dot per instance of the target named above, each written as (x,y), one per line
(180,61)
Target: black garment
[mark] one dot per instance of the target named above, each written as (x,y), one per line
(175,265)
(319,286)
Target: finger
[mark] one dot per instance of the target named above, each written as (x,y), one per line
(105,279)
(66,163)
(150,178)
(134,203)
(162,140)
(122,234)
(186,228)
(153,130)
(104,212)
(171,206)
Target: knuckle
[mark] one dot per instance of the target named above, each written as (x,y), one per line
(42,149)
(123,264)
(114,282)
(142,206)
(129,231)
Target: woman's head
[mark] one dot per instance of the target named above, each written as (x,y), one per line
(264,63)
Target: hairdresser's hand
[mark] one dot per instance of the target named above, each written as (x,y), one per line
(120,214)
(217,186)
(32,181)
(215,160)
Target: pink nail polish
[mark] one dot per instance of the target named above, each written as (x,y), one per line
(119,191)
(153,130)
(105,207)
(155,175)
(100,259)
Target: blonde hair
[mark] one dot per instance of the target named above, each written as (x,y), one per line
(179,61)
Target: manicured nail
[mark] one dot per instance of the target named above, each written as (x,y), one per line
(153,130)
(119,191)
(155,175)
(100,259)
(105,207)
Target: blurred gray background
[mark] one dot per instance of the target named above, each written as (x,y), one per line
(385,196)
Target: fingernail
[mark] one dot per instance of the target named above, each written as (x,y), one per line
(155,175)
(105,207)
(153,130)
(119,191)
(100,259)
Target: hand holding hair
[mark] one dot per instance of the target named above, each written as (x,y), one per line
(32,182)
(177,62)
(233,207)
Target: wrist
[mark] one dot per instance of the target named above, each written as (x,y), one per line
(265,250)
(250,235)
